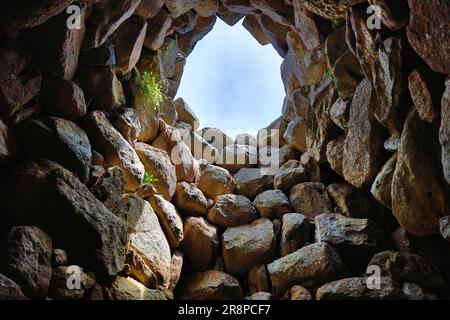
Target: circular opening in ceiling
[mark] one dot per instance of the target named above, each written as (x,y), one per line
(232,82)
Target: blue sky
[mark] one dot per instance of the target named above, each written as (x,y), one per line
(232,82)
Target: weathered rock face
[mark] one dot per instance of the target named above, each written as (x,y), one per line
(148,251)
(128,41)
(169,219)
(232,210)
(362,157)
(288,175)
(408,267)
(356,240)
(200,243)
(250,182)
(74,275)
(272,204)
(216,181)
(110,187)
(130,289)
(357,289)
(62,98)
(344,153)
(27,261)
(258,279)
(295,233)
(190,199)
(310,199)
(58,140)
(157,164)
(211,285)
(382,186)
(419,192)
(310,266)
(244,247)
(68,212)
(428,26)
(115,150)
(105,19)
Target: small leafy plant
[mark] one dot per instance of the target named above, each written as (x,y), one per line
(330,75)
(337,22)
(149,180)
(151,89)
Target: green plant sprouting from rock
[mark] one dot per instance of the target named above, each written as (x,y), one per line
(337,22)
(149,180)
(330,75)
(152,89)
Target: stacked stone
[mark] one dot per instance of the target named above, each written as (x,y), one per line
(110,189)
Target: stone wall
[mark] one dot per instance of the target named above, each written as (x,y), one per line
(111,190)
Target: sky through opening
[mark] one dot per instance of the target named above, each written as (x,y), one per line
(232,82)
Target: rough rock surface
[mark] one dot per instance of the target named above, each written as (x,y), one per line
(310,266)
(211,285)
(357,289)
(232,210)
(310,199)
(244,247)
(272,204)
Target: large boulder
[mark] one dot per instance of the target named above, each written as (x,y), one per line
(71,215)
(186,115)
(115,150)
(295,233)
(272,204)
(130,289)
(420,195)
(104,20)
(62,98)
(409,267)
(190,199)
(363,146)
(59,140)
(258,279)
(157,164)
(310,199)
(232,210)
(200,243)
(358,289)
(211,285)
(288,175)
(148,251)
(382,186)
(310,266)
(427,30)
(70,283)
(110,187)
(169,219)
(356,240)
(251,181)
(128,41)
(56,56)
(27,259)
(244,247)
(216,181)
